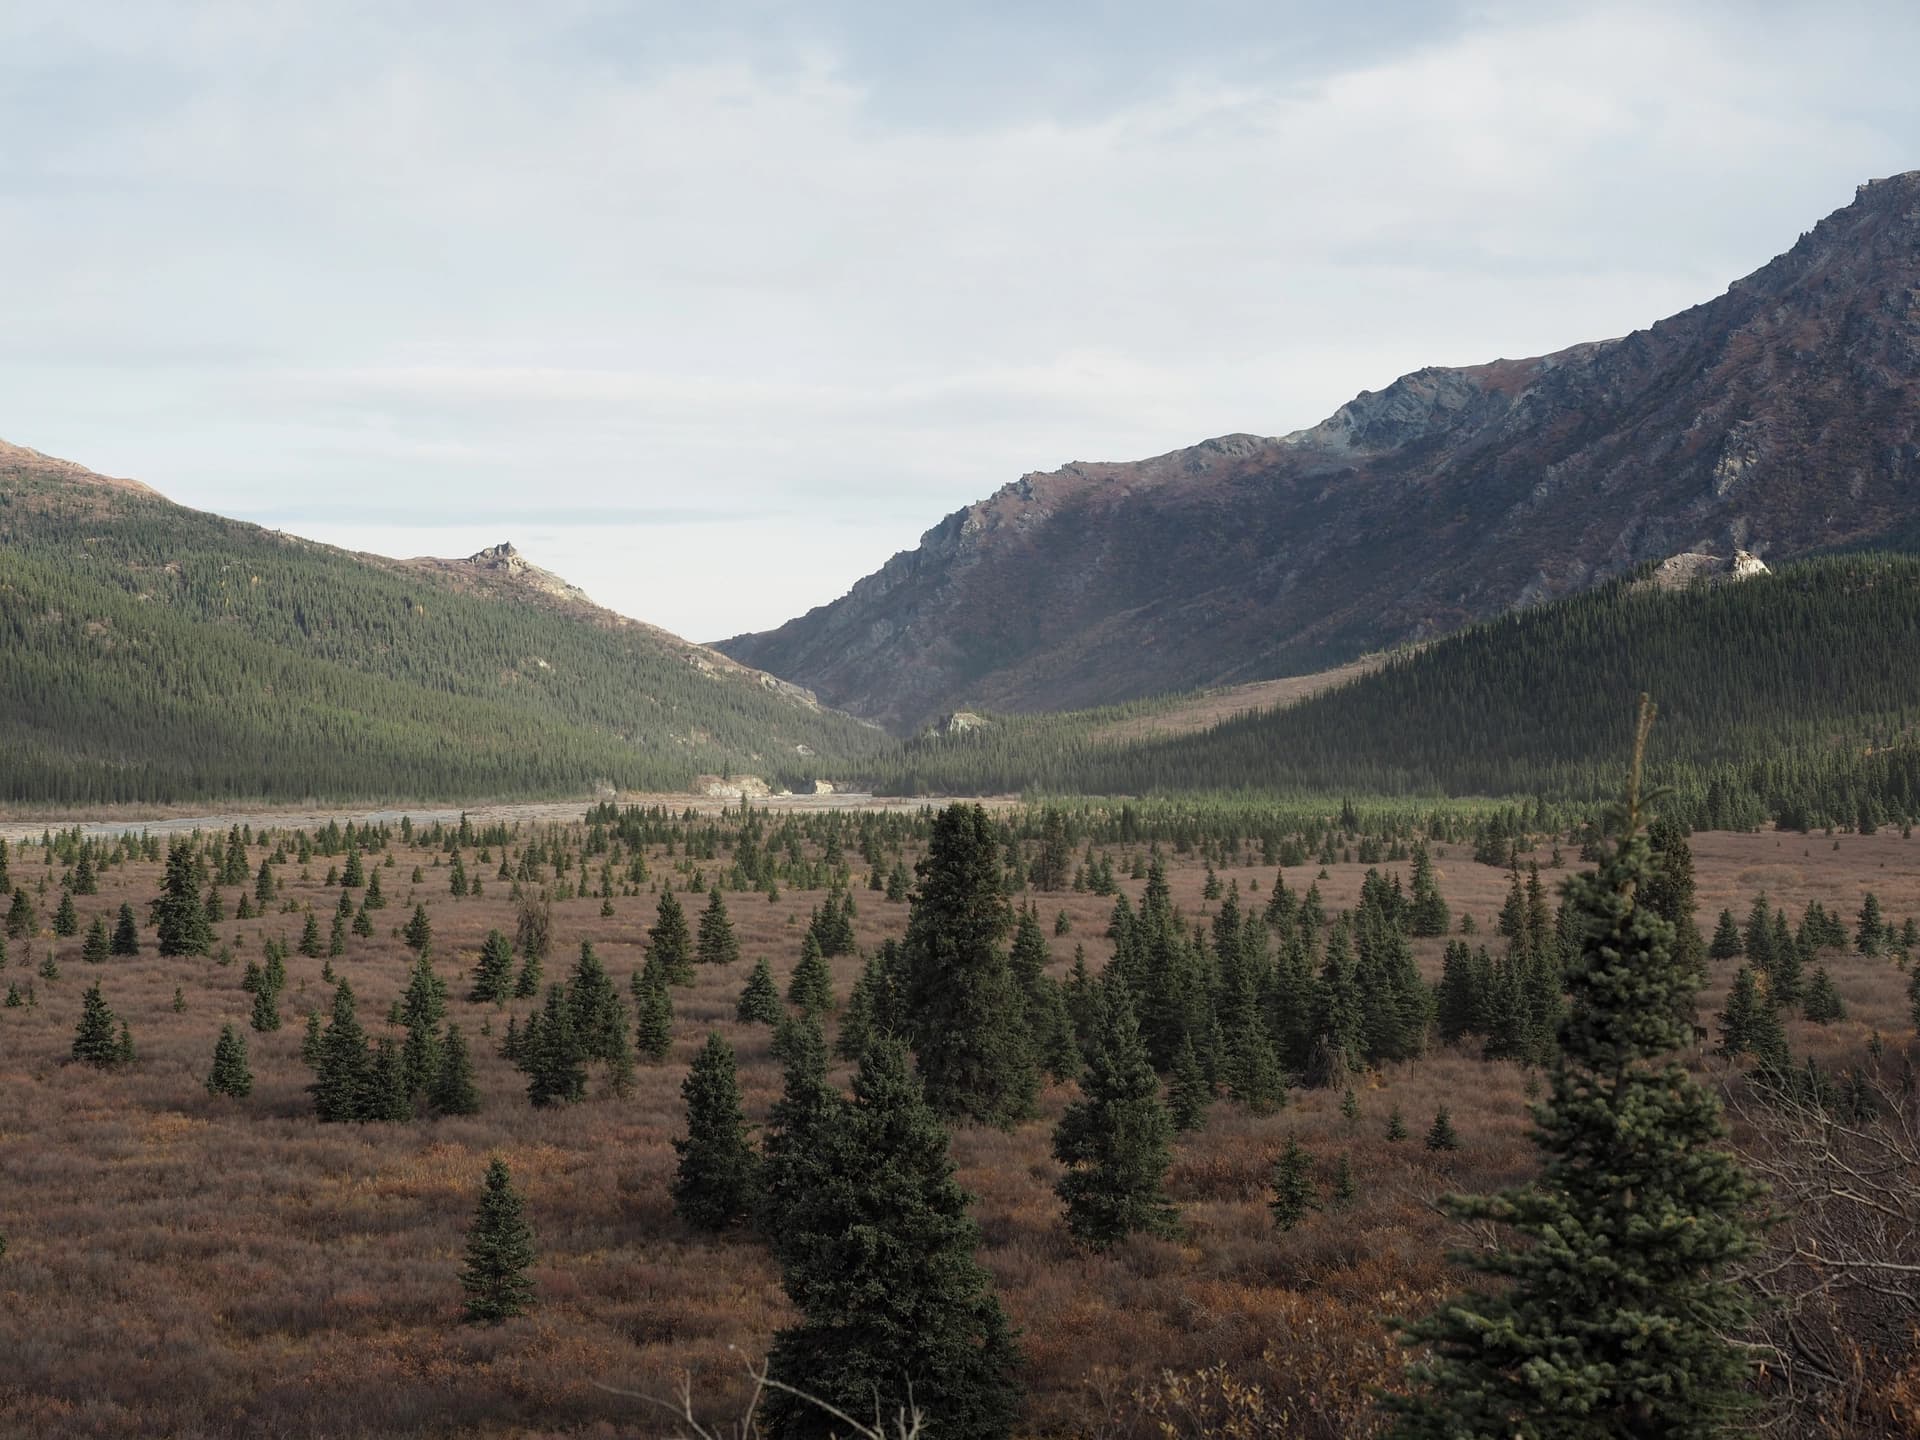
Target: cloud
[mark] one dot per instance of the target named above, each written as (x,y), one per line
(370,261)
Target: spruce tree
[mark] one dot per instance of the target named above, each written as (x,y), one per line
(963,1009)
(1115,1138)
(810,988)
(266,1010)
(230,1075)
(1346,1189)
(669,940)
(713,1185)
(493,972)
(343,1072)
(179,914)
(95,948)
(66,920)
(653,1023)
(1396,1125)
(419,931)
(717,944)
(793,1154)
(1738,1018)
(759,1002)
(1614,1322)
(1294,1193)
(895,1310)
(1428,914)
(22,922)
(550,1054)
(96,1039)
(422,1008)
(310,943)
(1188,1091)
(1823,1003)
(452,1090)
(1871,932)
(1726,943)
(126,933)
(499,1252)
(1441,1136)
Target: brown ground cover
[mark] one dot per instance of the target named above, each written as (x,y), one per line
(194,1267)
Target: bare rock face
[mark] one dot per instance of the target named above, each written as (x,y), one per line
(1780,418)
(1677,572)
(503,559)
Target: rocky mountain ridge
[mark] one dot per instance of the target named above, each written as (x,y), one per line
(1781,418)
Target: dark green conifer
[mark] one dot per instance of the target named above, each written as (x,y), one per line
(1726,943)
(96,1039)
(810,988)
(310,944)
(493,971)
(230,1075)
(452,1090)
(95,947)
(1617,1318)
(1870,934)
(126,933)
(419,931)
(717,944)
(1823,1003)
(66,920)
(759,1002)
(342,1073)
(499,1252)
(1346,1189)
(961,1005)
(266,1009)
(550,1054)
(895,1311)
(1188,1091)
(713,1185)
(653,1024)
(1396,1126)
(1115,1138)
(1294,1193)
(669,940)
(1441,1136)
(179,915)
(22,922)
(1737,1020)
(1428,914)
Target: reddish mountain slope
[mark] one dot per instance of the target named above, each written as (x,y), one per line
(1782,417)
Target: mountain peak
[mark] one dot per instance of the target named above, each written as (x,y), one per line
(17,461)
(1779,418)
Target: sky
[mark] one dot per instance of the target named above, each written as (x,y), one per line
(713,308)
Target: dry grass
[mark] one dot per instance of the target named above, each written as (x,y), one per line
(194,1267)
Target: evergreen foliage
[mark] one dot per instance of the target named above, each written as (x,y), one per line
(713,1185)
(1294,1193)
(179,915)
(717,944)
(964,1012)
(230,1075)
(499,1252)
(96,1040)
(1115,1138)
(759,1002)
(1614,1321)
(895,1310)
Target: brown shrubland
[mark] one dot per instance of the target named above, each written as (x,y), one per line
(184,1265)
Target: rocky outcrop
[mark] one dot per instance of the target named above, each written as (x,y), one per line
(1677,572)
(1782,417)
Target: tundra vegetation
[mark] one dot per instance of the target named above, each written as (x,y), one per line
(1175,1166)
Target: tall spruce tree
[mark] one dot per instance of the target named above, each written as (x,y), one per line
(963,1009)
(653,1019)
(551,1056)
(669,940)
(793,1154)
(896,1313)
(499,1252)
(342,1075)
(1115,1139)
(810,987)
(126,933)
(452,1091)
(1614,1322)
(179,913)
(713,1184)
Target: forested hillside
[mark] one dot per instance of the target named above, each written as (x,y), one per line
(156,653)
(1788,696)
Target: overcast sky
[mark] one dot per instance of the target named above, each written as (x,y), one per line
(714,314)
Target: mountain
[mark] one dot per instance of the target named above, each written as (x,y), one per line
(1777,700)
(156,653)
(1779,418)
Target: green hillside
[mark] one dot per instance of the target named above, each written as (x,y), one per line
(155,653)
(1791,696)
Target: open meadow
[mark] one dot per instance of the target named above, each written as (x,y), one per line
(194,1266)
